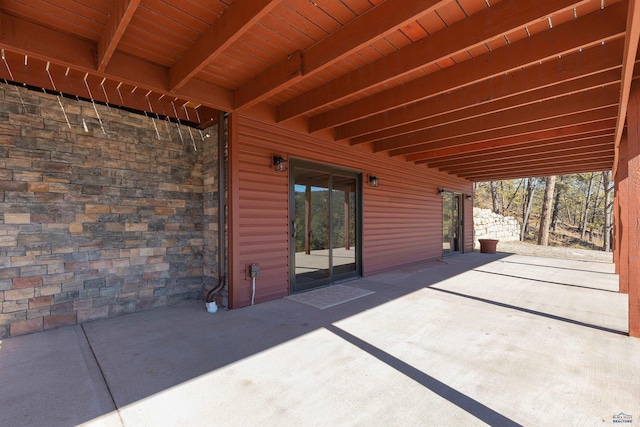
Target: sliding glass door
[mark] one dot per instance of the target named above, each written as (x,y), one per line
(324,225)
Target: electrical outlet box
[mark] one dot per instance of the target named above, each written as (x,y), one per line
(253,270)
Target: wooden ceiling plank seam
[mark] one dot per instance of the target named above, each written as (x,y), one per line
(48,45)
(604,25)
(551,108)
(555,124)
(241,16)
(117,24)
(534,144)
(593,81)
(632,37)
(597,59)
(474,31)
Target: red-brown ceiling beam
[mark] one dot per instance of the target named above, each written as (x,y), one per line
(487,156)
(560,171)
(504,17)
(372,25)
(72,83)
(540,139)
(559,126)
(25,38)
(117,23)
(503,105)
(555,135)
(273,80)
(603,25)
(228,28)
(579,153)
(558,107)
(593,60)
(628,64)
(542,170)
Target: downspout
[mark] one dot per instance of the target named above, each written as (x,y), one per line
(222,215)
(222,210)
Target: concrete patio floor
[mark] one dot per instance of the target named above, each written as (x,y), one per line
(475,339)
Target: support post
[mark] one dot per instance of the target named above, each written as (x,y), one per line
(633,208)
(622,267)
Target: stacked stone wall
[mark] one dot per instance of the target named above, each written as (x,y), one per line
(94,225)
(489,225)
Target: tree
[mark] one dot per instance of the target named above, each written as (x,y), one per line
(606,184)
(494,196)
(531,188)
(545,216)
(556,205)
(585,215)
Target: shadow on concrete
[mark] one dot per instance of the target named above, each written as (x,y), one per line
(144,354)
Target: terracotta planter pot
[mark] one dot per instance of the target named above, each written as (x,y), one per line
(488,246)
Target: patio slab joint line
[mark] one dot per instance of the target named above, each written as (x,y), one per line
(104,378)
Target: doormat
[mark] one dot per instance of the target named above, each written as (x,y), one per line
(329,296)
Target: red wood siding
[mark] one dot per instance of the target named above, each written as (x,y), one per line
(402,217)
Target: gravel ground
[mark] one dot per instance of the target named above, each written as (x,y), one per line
(553,251)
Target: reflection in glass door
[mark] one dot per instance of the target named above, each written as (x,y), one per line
(324,224)
(451,223)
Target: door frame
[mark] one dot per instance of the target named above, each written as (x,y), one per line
(331,170)
(460,228)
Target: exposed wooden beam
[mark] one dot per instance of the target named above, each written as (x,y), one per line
(628,64)
(25,38)
(547,168)
(230,26)
(603,25)
(376,23)
(109,91)
(568,153)
(540,112)
(594,60)
(552,127)
(372,25)
(593,81)
(264,85)
(504,17)
(117,23)
(523,150)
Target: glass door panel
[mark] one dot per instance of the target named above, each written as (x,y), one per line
(343,225)
(311,229)
(324,225)
(451,226)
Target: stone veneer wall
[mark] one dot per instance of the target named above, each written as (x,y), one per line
(94,225)
(489,225)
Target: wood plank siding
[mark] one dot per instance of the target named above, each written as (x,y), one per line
(402,216)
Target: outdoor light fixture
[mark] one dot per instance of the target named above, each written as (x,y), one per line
(373,181)
(469,196)
(278,164)
(441,192)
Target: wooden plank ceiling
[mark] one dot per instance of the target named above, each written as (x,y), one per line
(483,89)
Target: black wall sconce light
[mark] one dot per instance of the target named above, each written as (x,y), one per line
(468,196)
(278,164)
(373,181)
(441,192)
